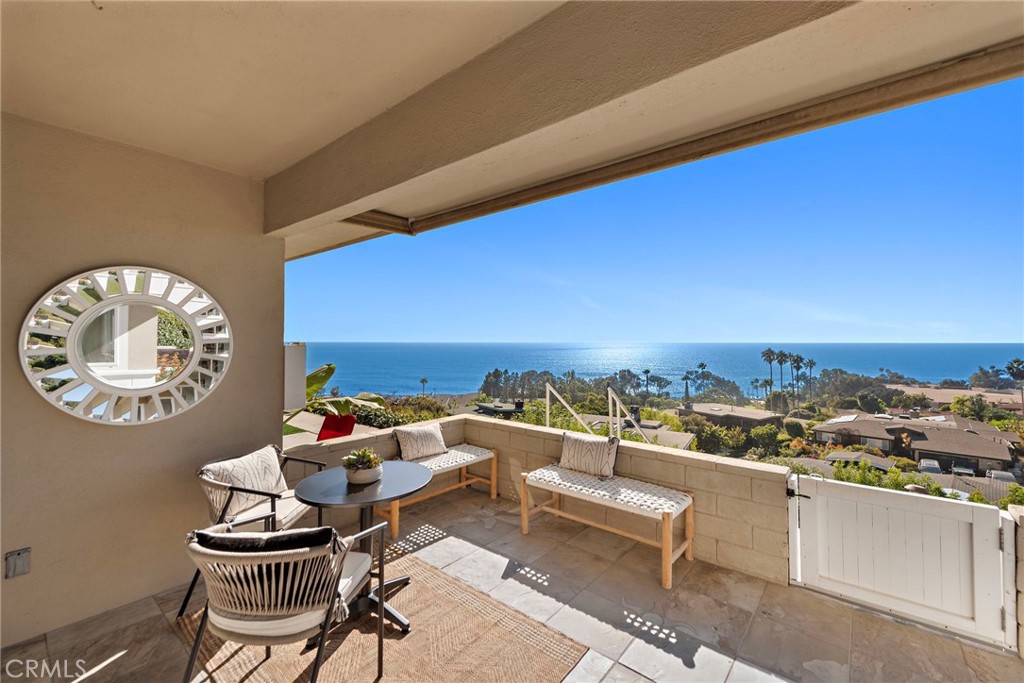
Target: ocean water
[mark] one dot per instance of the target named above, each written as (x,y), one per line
(454,368)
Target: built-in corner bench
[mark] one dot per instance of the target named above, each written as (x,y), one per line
(459,458)
(622,493)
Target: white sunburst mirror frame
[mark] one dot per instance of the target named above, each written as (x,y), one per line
(52,358)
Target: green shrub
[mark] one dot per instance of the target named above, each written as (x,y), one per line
(766,438)
(848,403)
(802,414)
(419,405)
(673,421)
(905,464)
(172,331)
(47,362)
(50,384)
(864,474)
(734,437)
(755,453)
(1014,496)
(976,497)
(381,418)
(794,428)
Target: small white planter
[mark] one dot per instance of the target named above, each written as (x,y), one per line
(365,476)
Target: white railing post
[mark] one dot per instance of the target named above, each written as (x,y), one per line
(547,405)
(551,390)
(612,396)
(612,426)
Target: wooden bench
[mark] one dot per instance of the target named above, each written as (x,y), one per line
(621,493)
(455,458)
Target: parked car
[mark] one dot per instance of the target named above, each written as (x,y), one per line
(928,466)
(962,471)
(999,475)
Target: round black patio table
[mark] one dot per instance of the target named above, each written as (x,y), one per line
(331,489)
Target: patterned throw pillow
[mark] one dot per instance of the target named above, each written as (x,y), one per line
(589,454)
(260,471)
(420,441)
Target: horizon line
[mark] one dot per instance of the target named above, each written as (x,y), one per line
(752,343)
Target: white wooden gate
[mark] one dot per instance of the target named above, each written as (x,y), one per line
(941,562)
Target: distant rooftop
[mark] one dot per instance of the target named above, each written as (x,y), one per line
(950,434)
(746,412)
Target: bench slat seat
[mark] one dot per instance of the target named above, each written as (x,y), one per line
(456,457)
(630,495)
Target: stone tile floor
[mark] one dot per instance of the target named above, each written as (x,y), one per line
(603,591)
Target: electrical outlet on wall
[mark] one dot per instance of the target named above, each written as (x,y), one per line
(17,562)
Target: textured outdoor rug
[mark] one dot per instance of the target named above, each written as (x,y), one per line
(458,634)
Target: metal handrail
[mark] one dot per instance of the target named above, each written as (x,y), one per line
(615,410)
(548,390)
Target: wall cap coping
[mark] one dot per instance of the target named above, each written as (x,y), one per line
(1017,512)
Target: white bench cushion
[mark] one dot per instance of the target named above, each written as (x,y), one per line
(456,457)
(631,495)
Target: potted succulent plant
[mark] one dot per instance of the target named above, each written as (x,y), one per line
(363,466)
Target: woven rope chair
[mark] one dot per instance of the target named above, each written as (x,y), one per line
(282,596)
(249,490)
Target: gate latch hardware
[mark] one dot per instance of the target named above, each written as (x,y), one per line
(791,493)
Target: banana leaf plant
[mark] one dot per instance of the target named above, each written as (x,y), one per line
(318,402)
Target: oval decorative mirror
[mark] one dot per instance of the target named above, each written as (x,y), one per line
(125,345)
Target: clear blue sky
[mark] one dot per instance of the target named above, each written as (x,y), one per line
(907,226)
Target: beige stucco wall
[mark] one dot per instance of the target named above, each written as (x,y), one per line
(105,508)
(741,516)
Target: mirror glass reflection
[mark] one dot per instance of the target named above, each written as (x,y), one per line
(136,345)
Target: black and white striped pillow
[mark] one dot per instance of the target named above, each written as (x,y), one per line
(589,454)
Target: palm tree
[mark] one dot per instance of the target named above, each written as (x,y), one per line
(687,378)
(782,358)
(423,381)
(647,383)
(767,384)
(1015,369)
(768,356)
(796,363)
(702,375)
(755,384)
(809,364)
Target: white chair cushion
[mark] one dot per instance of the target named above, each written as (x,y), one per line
(455,458)
(289,511)
(259,470)
(355,567)
(420,441)
(589,454)
(269,628)
(631,495)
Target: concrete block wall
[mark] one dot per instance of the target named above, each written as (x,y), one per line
(741,513)
(384,443)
